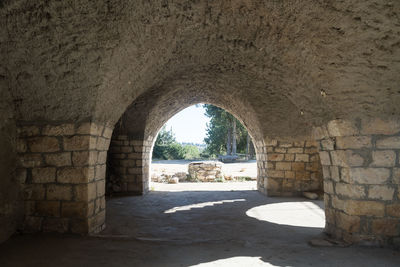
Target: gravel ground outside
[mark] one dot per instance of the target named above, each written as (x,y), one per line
(170,167)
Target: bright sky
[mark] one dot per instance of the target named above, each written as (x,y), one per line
(189,125)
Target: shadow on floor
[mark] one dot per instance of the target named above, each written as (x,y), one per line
(203,228)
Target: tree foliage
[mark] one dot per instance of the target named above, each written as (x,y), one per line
(219,128)
(167,148)
(191,152)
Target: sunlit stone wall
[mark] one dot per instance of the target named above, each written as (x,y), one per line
(361,168)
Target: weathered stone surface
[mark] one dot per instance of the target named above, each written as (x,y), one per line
(342,128)
(100,172)
(34,192)
(21,146)
(43,144)
(289,157)
(320,133)
(328,187)
(302,157)
(348,223)
(386,227)
(389,142)
(285,144)
(58,159)
(380,192)
(361,208)
(325,158)
(205,170)
(59,130)
(102,157)
(353,142)
(84,158)
(27,131)
(290,174)
(43,175)
(327,144)
(59,192)
(335,173)
(73,175)
(276,157)
(76,143)
(281,150)
(385,158)
(346,158)
(283,166)
(74,209)
(275,174)
(81,192)
(380,126)
(298,166)
(366,175)
(31,160)
(393,210)
(396,175)
(326,172)
(100,188)
(91,191)
(107,132)
(350,190)
(48,208)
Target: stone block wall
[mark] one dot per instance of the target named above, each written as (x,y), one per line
(361,168)
(129,165)
(261,157)
(62,173)
(291,168)
(205,171)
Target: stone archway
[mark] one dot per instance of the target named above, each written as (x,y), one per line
(282,68)
(290,168)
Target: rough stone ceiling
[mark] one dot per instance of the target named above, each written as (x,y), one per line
(296,63)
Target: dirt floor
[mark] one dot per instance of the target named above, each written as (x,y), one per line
(240,169)
(197,224)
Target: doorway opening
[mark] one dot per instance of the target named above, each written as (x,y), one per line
(203,147)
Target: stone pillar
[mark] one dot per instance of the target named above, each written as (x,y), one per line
(129,165)
(292,168)
(261,156)
(62,171)
(361,168)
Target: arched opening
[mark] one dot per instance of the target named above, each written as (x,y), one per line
(292,167)
(129,159)
(203,144)
(72,69)
(284,167)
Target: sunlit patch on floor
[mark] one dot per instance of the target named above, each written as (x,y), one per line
(236,262)
(202,205)
(304,214)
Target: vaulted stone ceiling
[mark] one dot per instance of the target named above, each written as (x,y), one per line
(290,64)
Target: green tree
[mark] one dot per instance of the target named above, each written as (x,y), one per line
(165,137)
(166,146)
(223,132)
(191,152)
(217,130)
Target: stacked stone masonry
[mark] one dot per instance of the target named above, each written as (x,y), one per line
(290,168)
(62,174)
(129,164)
(261,157)
(205,171)
(361,168)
